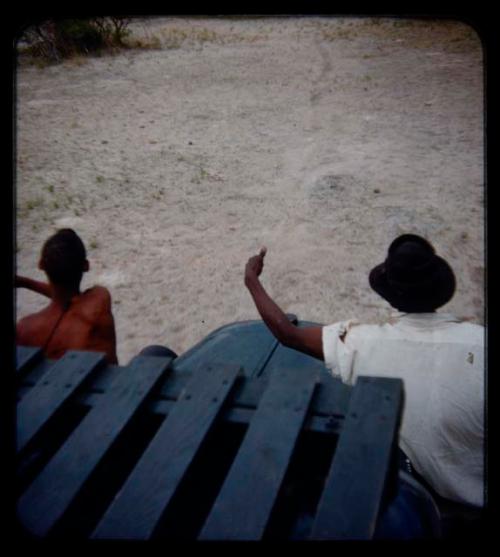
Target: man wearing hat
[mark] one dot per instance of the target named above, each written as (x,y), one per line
(439,358)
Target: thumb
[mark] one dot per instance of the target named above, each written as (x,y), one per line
(262,252)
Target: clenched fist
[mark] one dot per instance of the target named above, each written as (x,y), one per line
(255,265)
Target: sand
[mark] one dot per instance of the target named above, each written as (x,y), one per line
(320,138)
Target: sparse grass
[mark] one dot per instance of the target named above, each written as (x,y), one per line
(158,195)
(411,33)
(77,60)
(172,38)
(34,203)
(150,43)
(45,205)
(202,174)
(334,34)
(26,58)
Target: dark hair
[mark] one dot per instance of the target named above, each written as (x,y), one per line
(63,257)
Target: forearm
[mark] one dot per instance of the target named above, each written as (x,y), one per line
(272,315)
(34,285)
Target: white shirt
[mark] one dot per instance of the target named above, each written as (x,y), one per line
(441,363)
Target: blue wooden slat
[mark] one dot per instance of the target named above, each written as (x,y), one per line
(350,503)
(247,497)
(139,505)
(54,388)
(47,498)
(26,357)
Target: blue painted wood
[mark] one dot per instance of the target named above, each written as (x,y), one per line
(47,498)
(350,503)
(247,497)
(247,345)
(284,357)
(138,506)
(48,395)
(26,358)
(365,416)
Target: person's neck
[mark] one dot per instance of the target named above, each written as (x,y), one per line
(62,294)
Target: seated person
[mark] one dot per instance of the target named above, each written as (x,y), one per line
(73,320)
(439,357)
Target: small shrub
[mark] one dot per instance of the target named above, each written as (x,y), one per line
(73,36)
(55,39)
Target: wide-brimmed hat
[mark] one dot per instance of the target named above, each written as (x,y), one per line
(413,278)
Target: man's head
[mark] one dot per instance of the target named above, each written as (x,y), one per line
(64,258)
(413,278)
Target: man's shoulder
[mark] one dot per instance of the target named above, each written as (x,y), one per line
(471,332)
(98,292)
(97,297)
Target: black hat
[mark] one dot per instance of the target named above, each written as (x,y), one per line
(413,278)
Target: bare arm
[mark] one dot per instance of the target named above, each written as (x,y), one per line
(307,339)
(34,285)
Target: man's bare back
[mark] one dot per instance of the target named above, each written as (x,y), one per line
(87,324)
(73,320)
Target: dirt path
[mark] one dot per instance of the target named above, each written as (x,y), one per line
(321,139)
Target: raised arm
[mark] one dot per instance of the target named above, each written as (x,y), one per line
(305,339)
(34,285)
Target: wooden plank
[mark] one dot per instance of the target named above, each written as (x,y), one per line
(105,378)
(176,383)
(350,503)
(320,424)
(47,498)
(54,388)
(26,358)
(138,507)
(330,399)
(247,497)
(25,384)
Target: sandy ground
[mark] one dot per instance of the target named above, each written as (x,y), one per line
(319,138)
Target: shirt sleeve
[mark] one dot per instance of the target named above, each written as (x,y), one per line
(338,354)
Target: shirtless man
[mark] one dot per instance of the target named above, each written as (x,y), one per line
(73,320)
